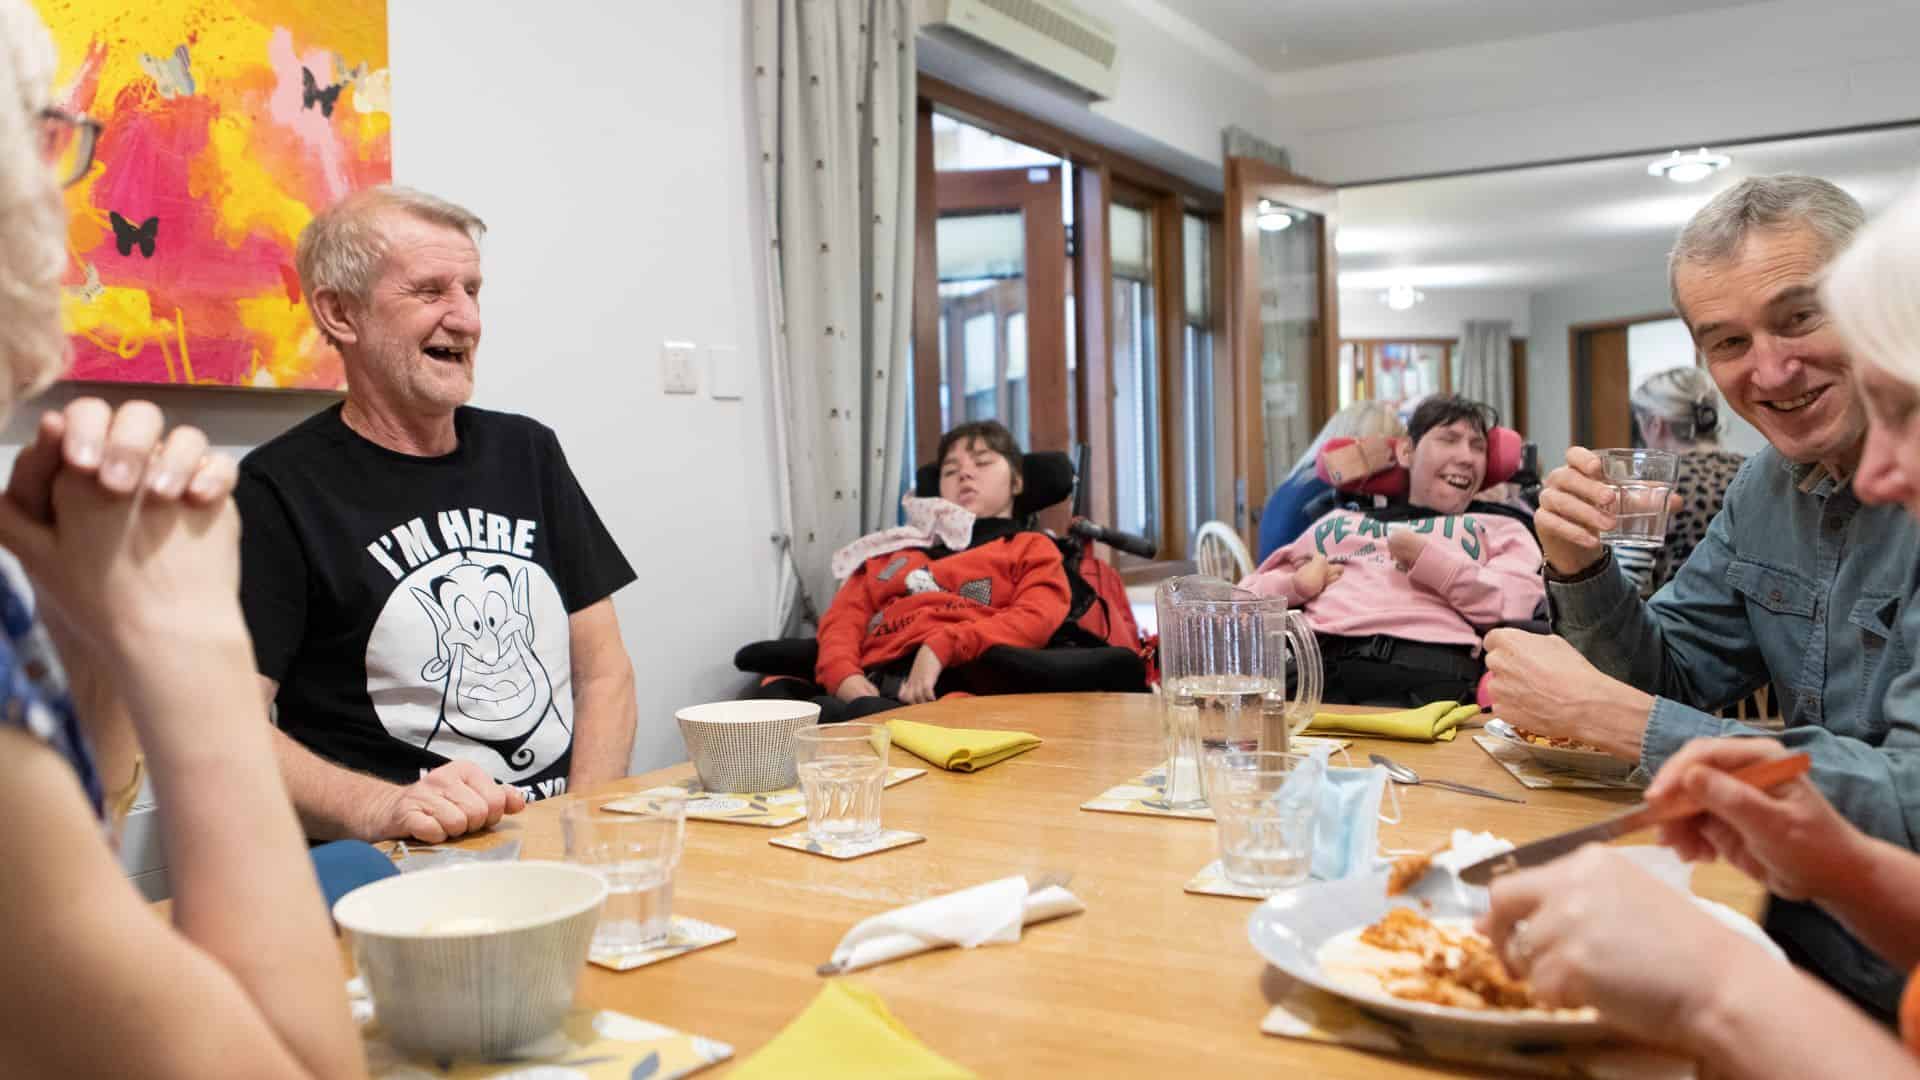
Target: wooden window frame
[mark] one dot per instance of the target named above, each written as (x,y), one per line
(1098,172)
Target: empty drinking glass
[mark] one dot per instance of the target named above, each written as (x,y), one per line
(1263,809)
(843,771)
(1642,480)
(636,850)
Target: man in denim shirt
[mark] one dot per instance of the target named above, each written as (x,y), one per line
(1797,583)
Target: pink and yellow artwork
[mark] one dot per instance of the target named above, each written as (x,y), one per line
(228,124)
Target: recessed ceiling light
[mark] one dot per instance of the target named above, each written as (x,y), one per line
(1272,217)
(1401,297)
(1689,167)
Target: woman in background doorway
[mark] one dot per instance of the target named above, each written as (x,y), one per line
(1679,410)
(1287,512)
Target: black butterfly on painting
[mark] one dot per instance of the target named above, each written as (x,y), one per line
(311,94)
(126,234)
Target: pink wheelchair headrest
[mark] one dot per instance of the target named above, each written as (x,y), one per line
(1504,448)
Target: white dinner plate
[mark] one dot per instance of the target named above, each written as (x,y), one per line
(1290,928)
(1585,762)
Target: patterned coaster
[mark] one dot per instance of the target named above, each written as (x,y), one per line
(1147,793)
(1315,1016)
(768,810)
(886,841)
(686,936)
(1534,773)
(1213,881)
(592,1044)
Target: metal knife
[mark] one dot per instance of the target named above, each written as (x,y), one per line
(1764,775)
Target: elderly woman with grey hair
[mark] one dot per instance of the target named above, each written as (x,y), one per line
(136,658)
(1678,410)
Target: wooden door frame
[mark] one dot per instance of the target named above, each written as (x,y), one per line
(1576,375)
(1248,181)
(1045,280)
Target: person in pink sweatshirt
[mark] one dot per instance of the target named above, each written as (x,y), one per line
(1400,595)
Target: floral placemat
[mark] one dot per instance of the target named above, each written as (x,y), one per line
(886,841)
(766,809)
(1147,793)
(686,935)
(1312,1015)
(1534,773)
(592,1044)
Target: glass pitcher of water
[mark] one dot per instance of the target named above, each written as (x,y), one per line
(1225,654)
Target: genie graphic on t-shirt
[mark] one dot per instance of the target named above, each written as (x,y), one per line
(468,658)
(497,690)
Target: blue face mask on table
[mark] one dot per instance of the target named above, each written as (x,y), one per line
(1346,819)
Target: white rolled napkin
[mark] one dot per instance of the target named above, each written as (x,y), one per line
(990,914)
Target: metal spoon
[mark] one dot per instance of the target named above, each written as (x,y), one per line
(1401,774)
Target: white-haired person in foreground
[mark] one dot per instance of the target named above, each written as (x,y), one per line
(1595,929)
(129,541)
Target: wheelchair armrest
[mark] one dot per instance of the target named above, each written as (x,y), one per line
(794,657)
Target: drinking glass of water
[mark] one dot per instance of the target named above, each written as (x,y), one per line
(636,850)
(1642,480)
(843,771)
(1263,810)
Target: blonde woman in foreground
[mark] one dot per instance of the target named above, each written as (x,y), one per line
(1595,929)
(128,540)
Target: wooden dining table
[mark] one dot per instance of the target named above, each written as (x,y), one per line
(1149,981)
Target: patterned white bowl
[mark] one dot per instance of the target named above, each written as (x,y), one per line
(473,960)
(745,746)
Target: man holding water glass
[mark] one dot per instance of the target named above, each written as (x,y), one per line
(1797,583)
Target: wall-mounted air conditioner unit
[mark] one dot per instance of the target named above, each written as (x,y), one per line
(1051,36)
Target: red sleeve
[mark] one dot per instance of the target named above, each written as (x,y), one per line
(1038,606)
(843,630)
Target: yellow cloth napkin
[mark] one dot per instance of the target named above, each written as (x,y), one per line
(1438,722)
(959,749)
(847,1033)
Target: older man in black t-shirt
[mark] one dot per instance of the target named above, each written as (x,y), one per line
(428,588)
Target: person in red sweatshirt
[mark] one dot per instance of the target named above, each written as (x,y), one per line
(906,615)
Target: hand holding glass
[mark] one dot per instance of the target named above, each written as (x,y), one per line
(1642,480)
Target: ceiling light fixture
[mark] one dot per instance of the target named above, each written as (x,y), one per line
(1272,217)
(1401,297)
(1689,167)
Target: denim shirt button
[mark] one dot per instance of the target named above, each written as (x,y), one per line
(1774,596)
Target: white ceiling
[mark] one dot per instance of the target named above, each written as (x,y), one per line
(1541,228)
(1292,35)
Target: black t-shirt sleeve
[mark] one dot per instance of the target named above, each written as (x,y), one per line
(588,564)
(273,576)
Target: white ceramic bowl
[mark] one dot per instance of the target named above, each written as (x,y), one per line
(473,960)
(742,747)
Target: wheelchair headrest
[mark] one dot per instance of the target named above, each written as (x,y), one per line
(1046,479)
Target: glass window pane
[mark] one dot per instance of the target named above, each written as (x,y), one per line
(973,246)
(1131,243)
(960,145)
(1199,270)
(1136,377)
(1290,315)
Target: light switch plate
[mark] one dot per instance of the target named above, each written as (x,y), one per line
(677,372)
(724,380)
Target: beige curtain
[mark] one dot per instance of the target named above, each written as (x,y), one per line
(835,87)
(1485,370)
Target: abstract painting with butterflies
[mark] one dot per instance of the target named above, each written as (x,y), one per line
(228,124)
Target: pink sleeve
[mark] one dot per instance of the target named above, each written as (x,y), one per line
(1507,588)
(1275,576)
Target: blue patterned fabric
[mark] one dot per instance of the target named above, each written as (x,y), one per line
(33,688)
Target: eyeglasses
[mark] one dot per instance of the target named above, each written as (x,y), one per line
(66,143)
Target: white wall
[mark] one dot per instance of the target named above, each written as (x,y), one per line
(1362,315)
(1613,296)
(1713,76)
